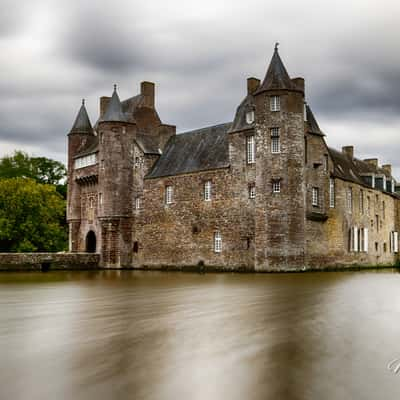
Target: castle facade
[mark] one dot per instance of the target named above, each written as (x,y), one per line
(263,192)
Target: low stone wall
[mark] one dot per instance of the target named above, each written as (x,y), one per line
(48,261)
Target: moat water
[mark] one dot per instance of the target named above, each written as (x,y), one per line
(149,335)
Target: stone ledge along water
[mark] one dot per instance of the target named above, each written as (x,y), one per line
(47,261)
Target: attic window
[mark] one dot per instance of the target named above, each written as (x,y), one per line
(250,117)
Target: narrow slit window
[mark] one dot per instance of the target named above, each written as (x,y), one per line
(252,191)
(276,186)
(331,193)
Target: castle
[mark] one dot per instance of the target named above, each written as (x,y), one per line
(263,192)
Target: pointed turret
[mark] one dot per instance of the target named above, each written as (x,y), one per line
(114,111)
(277,77)
(82,123)
(313,126)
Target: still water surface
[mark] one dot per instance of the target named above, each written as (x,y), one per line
(149,335)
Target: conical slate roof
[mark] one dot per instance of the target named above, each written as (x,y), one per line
(82,123)
(114,111)
(313,126)
(277,76)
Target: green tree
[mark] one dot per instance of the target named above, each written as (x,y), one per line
(41,169)
(32,216)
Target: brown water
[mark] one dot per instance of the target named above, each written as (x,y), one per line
(145,335)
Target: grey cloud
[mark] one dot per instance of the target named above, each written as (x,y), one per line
(199,55)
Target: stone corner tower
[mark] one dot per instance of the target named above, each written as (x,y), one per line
(79,136)
(280,172)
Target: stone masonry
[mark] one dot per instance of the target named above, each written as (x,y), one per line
(261,193)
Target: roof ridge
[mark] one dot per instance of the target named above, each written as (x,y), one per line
(199,130)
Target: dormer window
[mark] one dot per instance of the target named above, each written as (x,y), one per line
(250,117)
(275,103)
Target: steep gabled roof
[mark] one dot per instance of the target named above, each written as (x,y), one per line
(82,123)
(114,111)
(352,170)
(148,144)
(198,150)
(276,77)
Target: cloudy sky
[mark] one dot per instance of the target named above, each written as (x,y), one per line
(199,53)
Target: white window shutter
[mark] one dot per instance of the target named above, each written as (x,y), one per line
(366,240)
(355,240)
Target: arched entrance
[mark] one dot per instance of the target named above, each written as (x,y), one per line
(91,242)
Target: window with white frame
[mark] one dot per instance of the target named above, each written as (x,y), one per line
(275,103)
(207,191)
(168,194)
(350,200)
(250,117)
(276,186)
(331,193)
(275,140)
(251,149)
(394,242)
(100,198)
(137,203)
(315,196)
(252,191)
(217,242)
(85,161)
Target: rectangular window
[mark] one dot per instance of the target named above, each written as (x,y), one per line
(168,194)
(252,191)
(207,191)
(251,149)
(137,203)
(275,103)
(275,140)
(326,162)
(315,196)
(361,202)
(395,242)
(250,117)
(377,222)
(276,186)
(350,200)
(365,240)
(331,193)
(217,242)
(368,205)
(383,210)
(100,198)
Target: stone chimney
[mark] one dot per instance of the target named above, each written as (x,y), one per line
(147,90)
(388,169)
(372,161)
(104,100)
(349,151)
(252,85)
(299,82)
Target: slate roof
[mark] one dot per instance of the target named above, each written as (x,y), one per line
(148,144)
(114,111)
(198,150)
(239,123)
(91,146)
(312,123)
(354,169)
(82,123)
(276,76)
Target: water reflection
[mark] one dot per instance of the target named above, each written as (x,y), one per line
(186,336)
